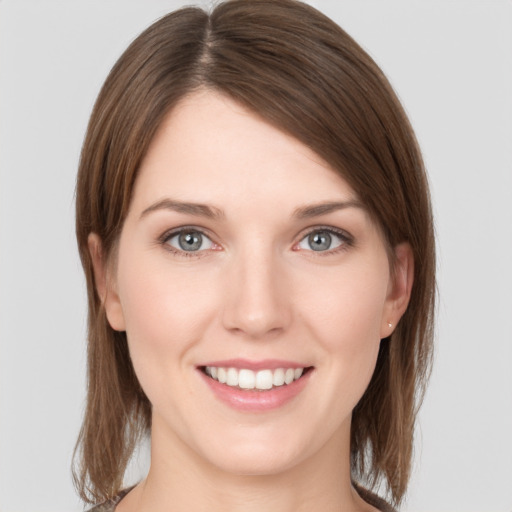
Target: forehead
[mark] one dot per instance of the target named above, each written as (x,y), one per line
(212,149)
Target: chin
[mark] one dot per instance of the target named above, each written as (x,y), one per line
(257,463)
(259,455)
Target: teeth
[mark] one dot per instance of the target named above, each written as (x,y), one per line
(278,379)
(232,379)
(221,374)
(264,379)
(248,379)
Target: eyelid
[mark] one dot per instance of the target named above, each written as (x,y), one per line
(171,233)
(346,238)
(179,229)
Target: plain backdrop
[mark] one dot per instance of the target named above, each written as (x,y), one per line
(451,64)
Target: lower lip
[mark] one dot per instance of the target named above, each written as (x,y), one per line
(256,401)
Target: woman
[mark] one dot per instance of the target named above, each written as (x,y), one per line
(254,222)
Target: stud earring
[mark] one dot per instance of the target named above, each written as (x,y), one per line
(390,324)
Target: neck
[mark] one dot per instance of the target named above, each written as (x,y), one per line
(179,480)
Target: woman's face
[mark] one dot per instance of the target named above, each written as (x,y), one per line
(245,257)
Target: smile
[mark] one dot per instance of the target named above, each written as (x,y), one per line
(261,380)
(255,386)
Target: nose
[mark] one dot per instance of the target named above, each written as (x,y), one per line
(257,298)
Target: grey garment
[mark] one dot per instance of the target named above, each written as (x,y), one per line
(372,499)
(110,505)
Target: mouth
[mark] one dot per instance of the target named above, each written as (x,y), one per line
(251,386)
(264,379)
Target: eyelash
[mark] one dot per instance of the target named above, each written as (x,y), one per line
(347,240)
(164,239)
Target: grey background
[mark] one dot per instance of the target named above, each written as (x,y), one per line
(450,62)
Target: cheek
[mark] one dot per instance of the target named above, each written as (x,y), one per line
(345,318)
(159,296)
(349,306)
(166,313)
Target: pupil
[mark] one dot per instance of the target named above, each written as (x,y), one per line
(320,241)
(190,241)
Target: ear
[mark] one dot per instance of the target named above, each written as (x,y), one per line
(399,290)
(105,284)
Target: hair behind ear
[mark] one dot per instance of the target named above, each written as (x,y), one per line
(117,415)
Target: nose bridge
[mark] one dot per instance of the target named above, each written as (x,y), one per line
(256,300)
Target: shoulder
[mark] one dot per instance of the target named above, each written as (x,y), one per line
(110,505)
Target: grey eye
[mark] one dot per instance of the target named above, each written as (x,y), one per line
(321,240)
(190,241)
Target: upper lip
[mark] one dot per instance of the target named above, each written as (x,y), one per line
(263,364)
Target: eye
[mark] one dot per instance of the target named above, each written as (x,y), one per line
(321,240)
(189,240)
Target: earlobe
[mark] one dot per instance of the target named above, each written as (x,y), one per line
(105,284)
(400,288)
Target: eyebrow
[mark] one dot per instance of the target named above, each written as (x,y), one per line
(211,212)
(200,210)
(315,210)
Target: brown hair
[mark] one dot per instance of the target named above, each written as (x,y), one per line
(303,74)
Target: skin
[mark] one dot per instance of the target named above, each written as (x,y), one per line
(256,291)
